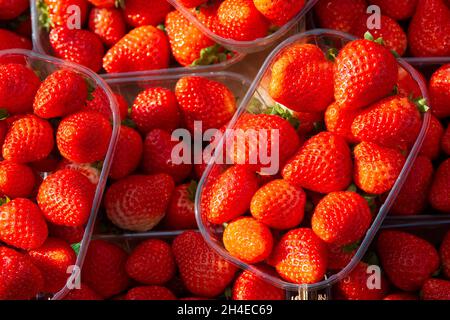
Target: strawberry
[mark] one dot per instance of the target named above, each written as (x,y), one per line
(323,164)
(181,211)
(92,172)
(230,194)
(202,270)
(11,9)
(429,30)
(138,202)
(407,259)
(248,286)
(300,256)
(365,72)
(68,234)
(192,3)
(302,78)
(79,46)
(18,85)
(83,293)
(84,137)
(340,256)
(150,293)
(103,3)
(11,40)
(436,289)
(401,296)
(128,153)
(108,24)
(341,218)
(339,121)
(413,197)
(339,15)
(248,240)
(308,121)
(28,139)
(65,197)
(16,180)
(202,99)
(53,258)
(22,224)
(439,195)
(279,205)
(439,88)
(104,268)
(279,12)
(144,12)
(431,146)
(100,103)
(240,20)
(408,86)
(444,253)
(62,93)
(151,262)
(392,122)
(143,48)
(445,141)
(155,108)
(376,168)
(20,279)
(58,13)
(398,10)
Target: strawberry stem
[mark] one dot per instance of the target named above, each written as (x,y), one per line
(3,114)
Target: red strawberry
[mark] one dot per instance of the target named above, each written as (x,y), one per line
(339,121)
(69,234)
(65,198)
(300,256)
(302,78)
(445,141)
(205,100)
(138,203)
(323,164)
(340,256)
(150,293)
(100,103)
(19,277)
(341,218)
(444,253)
(108,24)
(398,10)
(53,258)
(191,3)
(407,259)
(407,86)
(79,46)
(202,270)
(11,40)
(372,75)
(92,172)
(84,137)
(18,85)
(144,12)
(279,205)
(247,286)
(429,30)
(401,296)
(439,195)
(155,108)
(439,88)
(84,293)
(143,48)
(431,146)
(11,9)
(436,289)
(151,262)
(22,224)
(104,268)
(62,93)
(308,121)
(60,12)
(339,14)
(28,139)
(16,180)
(103,3)
(279,12)
(181,211)
(376,168)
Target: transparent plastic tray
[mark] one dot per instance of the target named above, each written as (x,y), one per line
(46,65)
(213,233)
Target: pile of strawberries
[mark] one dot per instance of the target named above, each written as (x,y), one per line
(15,25)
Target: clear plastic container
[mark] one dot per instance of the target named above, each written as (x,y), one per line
(47,65)
(213,233)
(246,46)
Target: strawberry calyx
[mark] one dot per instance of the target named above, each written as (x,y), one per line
(161,27)
(44,16)
(192,189)
(284,113)
(211,55)
(4,200)
(97,165)
(421,104)
(350,248)
(91,88)
(370,37)
(371,258)
(371,201)
(3,114)
(76,247)
(332,54)
(129,123)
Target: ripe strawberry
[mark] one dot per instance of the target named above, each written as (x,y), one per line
(65,197)
(436,289)
(16,180)
(60,12)
(151,262)
(53,258)
(407,86)
(308,121)
(202,270)
(339,121)
(439,195)
(302,79)
(22,224)
(340,256)
(155,108)
(201,99)
(279,205)
(279,12)
(323,164)
(300,256)
(128,153)
(68,234)
(439,88)
(18,85)
(401,296)
(372,75)
(138,202)
(143,48)
(181,211)
(429,30)
(108,24)
(150,293)
(240,20)
(28,139)
(398,10)
(192,3)
(376,168)
(413,197)
(19,277)
(445,141)
(100,103)
(84,293)
(62,93)
(444,253)
(341,218)
(339,14)
(230,194)
(407,259)
(247,286)
(104,268)
(144,12)
(103,3)
(11,40)
(84,137)
(11,9)
(431,146)
(79,46)
(92,172)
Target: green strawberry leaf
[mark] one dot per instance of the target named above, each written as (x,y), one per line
(91,88)
(349,248)
(3,114)
(284,113)
(161,27)
(421,104)
(371,201)
(332,54)
(352,188)
(211,55)
(192,189)
(129,123)
(4,200)
(371,258)
(44,17)
(370,37)
(255,106)
(76,247)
